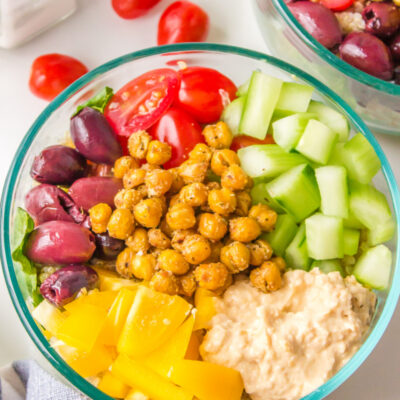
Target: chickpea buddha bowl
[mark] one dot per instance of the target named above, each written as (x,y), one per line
(201,221)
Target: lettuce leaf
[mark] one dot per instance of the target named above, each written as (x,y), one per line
(98,101)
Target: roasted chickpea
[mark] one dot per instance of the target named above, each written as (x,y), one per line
(212,226)
(158,182)
(175,199)
(187,284)
(143,266)
(99,216)
(127,198)
(236,256)
(158,152)
(267,278)
(163,203)
(181,216)
(179,236)
(218,136)
(211,276)
(194,194)
(148,212)
(280,262)
(201,152)
(234,178)
(165,282)
(177,181)
(123,164)
(222,201)
(228,282)
(193,171)
(159,239)
(138,144)
(260,251)
(223,159)
(142,190)
(123,262)
(165,228)
(138,241)
(216,248)
(243,200)
(149,167)
(213,185)
(121,224)
(244,229)
(133,177)
(265,216)
(195,248)
(172,261)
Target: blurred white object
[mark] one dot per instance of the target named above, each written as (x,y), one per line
(20,20)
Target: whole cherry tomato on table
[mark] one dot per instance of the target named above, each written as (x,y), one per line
(129,9)
(181,22)
(244,141)
(52,73)
(204,92)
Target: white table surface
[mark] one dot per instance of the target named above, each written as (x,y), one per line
(94,35)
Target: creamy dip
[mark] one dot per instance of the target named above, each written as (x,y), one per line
(289,342)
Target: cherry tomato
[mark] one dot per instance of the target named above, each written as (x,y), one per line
(337,5)
(141,102)
(204,93)
(181,22)
(129,9)
(52,73)
(180,131)
(244,141)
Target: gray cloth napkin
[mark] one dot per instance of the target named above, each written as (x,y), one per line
(26,380)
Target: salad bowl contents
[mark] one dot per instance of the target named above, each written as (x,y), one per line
(192,239)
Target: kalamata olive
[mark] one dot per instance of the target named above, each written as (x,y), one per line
(367,53)
(395,47)
(381,19)
(62,286)
(107,247)
(49,203)
(94,138)
(100,170)
(397,75)
(318,21)
(60,243)
(86,192)
(58,165)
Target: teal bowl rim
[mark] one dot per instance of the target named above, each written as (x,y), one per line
(23,312)
(329,57)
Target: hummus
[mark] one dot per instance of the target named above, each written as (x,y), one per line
(289,342)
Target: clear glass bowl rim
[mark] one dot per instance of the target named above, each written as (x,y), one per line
(6,259)
(333,60)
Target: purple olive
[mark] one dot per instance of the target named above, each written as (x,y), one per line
(318,21)
(395,47)
(86,192)
(107,247)
(94,138)
(58,165)
(49,203)
(60,243)
(381,19)
(397,75)
(62,286)
(367,53)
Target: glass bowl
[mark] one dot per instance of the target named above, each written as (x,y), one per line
(51,127)
(376,101)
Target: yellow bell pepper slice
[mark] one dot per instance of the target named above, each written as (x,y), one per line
(109,280)
(94,297)
(193,350)
(111,385)
(49,316)
(205,306)
(135,394)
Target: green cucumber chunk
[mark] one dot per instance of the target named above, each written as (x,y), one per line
(327,266)
(233,113)
(282,235)
(294,97)
(324,237)
(296,191)
(296,254)
(382,233)
(352,222)
(279,114)
(259,195)
(332,184)
(373,267)
(261,99)
(332,118)
(336,157)
(243,89)
(351,241)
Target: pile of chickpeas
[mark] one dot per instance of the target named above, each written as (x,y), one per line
(190,226)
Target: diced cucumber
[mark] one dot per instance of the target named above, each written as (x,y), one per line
(327,266)
(351,241)
(382,233)
(259,195)
(267,160)
(373,267)
(296,191)
(332,184)
(324,237)
(282,235)
(332,118)
(287,131)
(261,99)
(336,157)
(360,159)
(243,89)
(294,97)
(233,113)
(317,142)
(296,254)
(352,222)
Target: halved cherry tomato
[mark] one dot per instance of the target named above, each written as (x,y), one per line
(244,141)
(337,5)
(52,73)
(129,9)
(180,131)
(181,22)
(141,102)
(204,93)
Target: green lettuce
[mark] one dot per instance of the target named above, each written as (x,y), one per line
(98,101)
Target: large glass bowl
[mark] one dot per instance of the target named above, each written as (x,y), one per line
(52,125)
(375,100)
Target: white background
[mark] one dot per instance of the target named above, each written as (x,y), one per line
(94,35)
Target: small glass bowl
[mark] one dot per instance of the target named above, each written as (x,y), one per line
(376,101)
(51,127)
